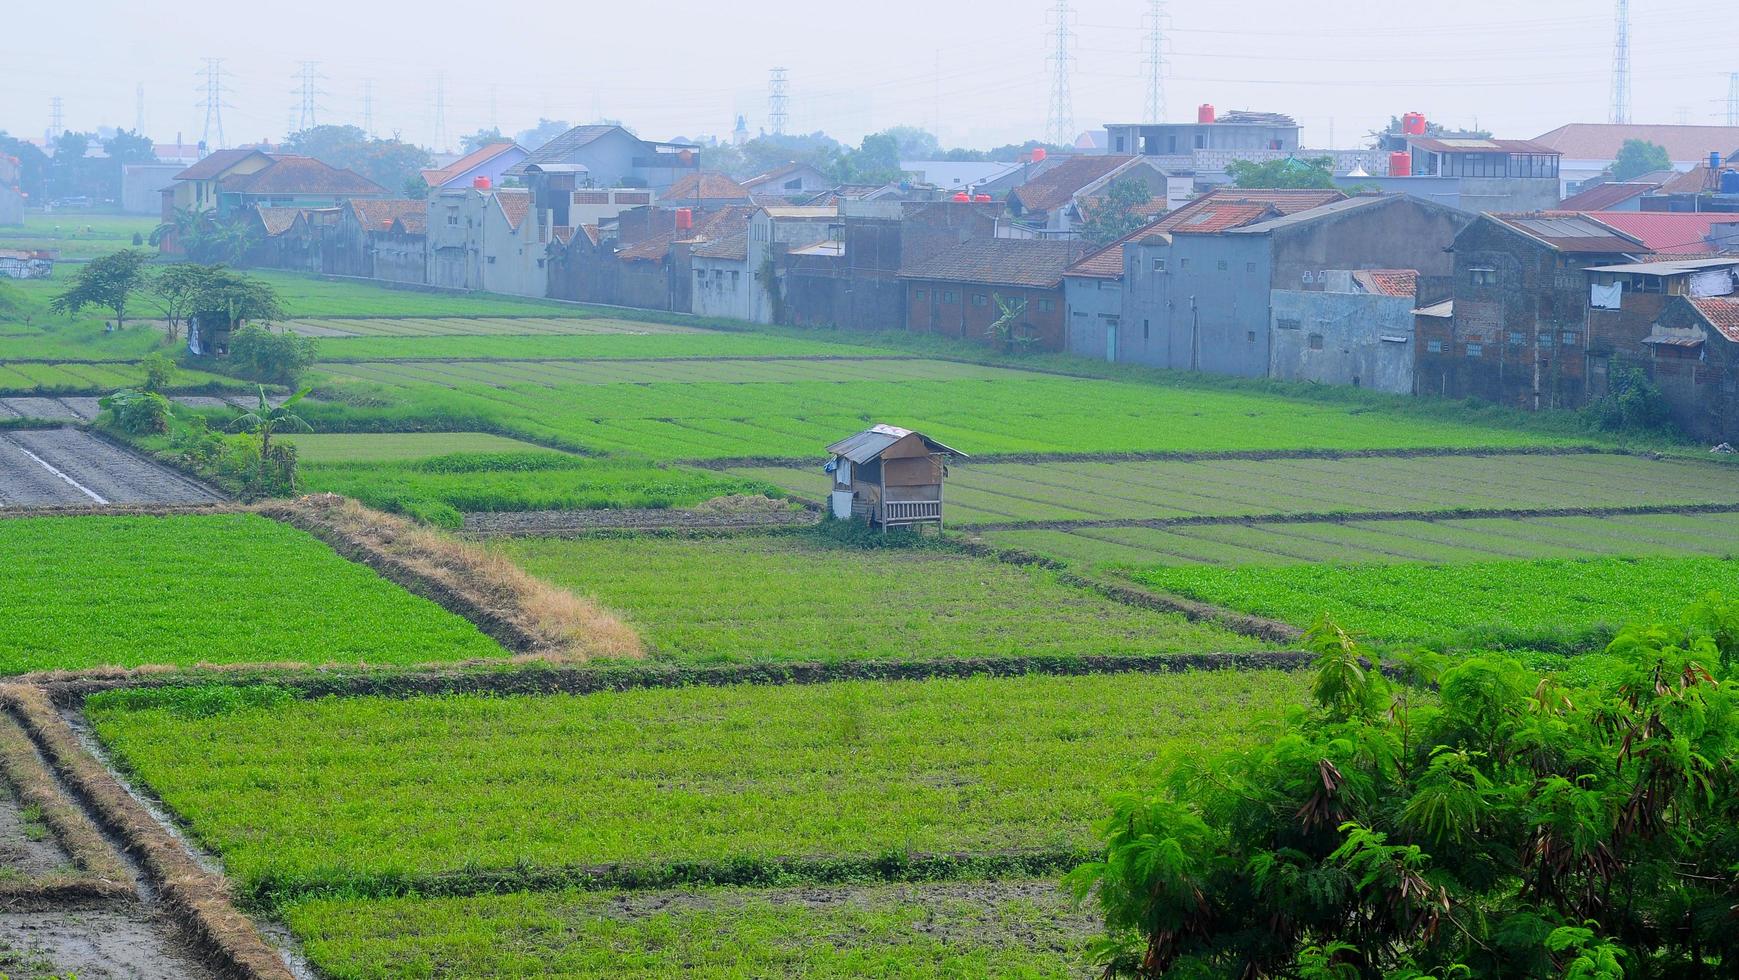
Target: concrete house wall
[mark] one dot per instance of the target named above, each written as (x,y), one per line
(966,311)
(1359,339)
(513,259)
(1203,308)
(1093,309)
(1701,385)
(720,287)
(455,239)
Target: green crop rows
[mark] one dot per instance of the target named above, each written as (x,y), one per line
(797,597)
(589,346)
(357,793)
(479,326)
(388,447)
(231,588)
(1483,539)
(930,932)
(522,376)
(1548,603)
(311,296)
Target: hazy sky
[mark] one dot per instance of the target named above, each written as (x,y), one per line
(976,72)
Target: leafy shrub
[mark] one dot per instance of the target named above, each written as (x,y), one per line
(138,412)
(275,358)
(1506,824)
(1632,404)
(159,371)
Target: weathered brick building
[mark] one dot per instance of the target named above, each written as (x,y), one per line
(961,291)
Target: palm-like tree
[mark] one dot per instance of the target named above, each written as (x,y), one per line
(265,420)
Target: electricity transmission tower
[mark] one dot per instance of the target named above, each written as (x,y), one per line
(1621,65)
(1155,111)
(1060,126)
(368,107)
(1733,99)
(309,91)
(213,103)
(778,101)
(56,117)
(440,112)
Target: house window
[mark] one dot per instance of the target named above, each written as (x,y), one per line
(1046,306)
(1144,330)
(921,294)
(700,275)
(979,299)
(1183,263)
(1569,338)
(1545,339)
(1475,350)
(492,260)
(948,296)
(1220,265)
(452,219)
(1434,347)
(1159,265)
(1250,267)
(1516,338)
(1482,277)
(794,185)
(718,275)
(736,277)
(1315,341)
(540,263)
(1287,323)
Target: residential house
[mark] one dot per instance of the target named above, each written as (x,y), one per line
(1203,289)
(1472,174)
(703,190)
(1708,186)
(20,263)
(292,181)
(1236,130)
(487,240)
(1357,330)
(722,280)
(1515,331)
(958,175)
(143,184)
(964,290)
(1674,233)
(794,183)
(282,238)
(486,163)
(774,232)
(646,263)
(610,156)
(195,188)
(1589,150)
(851,280)
(1058,201)
(1695,364)
(1626,306)
(1093,288)
(364,228)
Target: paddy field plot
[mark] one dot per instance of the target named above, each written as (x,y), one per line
(227,588)
(1437,540)
(1026,929)
(390,447)
(591,346)
(1013,493)
(311,296)
(796,596)
(1546,603)
(367,795)
(423,327)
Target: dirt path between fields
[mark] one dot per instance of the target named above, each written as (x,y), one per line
(71,468)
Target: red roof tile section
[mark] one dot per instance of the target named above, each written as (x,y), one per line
(1388,282)
(1603,196)
(1666,231)
(276,221)
(1033,262)
(216,163)
(379,214)
(515,205)
(301,175)
(709,226)
(1216,210)
(1602,141)
(476,158)
(703,186)
(1056,186)
(1722,312)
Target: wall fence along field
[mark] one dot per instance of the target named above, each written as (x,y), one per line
(798,778)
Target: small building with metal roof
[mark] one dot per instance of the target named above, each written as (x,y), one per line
(889,476)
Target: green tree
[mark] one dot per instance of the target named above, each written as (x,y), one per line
(472,142)
(1117,212)
(875,161)
(1290,172)
(1638,157)
(914,142)
(389,163)
(174,291)
(543,132)
(265,420)
(159,372)
(127,146)
(108,281)
(1479,820)
(278,358)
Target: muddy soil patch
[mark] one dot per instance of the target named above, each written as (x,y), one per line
(100,944)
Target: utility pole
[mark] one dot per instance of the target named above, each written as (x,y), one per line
(1155,62)
(778,101)
(56,117)
(139,108)
(1733,99)
(440,112)
(1621,65)
(368,107)
(1060,128)
(213,103)
(308,76)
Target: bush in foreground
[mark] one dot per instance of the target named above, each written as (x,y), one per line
(1505,825)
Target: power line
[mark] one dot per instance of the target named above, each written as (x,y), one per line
(1060,127)
(1621,65)
(368,107)
(213,103)
(1733,99)
(309,90)
(56,117)
(440,112)
(1155,112)
(778,101)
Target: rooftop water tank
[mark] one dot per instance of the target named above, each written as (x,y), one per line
(1413,124)
(480,183)
(1204,113)
(1400,164)
(961,197)
(1038,154)
(1730,181)
(981,199)
(1714,159)
(684,219)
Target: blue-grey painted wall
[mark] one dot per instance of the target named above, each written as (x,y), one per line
(1206,309)
(1343,339)
(1093,306)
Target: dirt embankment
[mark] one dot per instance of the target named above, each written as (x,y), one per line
(524,614)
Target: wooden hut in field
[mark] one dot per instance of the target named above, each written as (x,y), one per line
(890,476)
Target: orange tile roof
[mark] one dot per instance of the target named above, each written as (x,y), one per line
(708,226)
(704,185)
(1722,312)
(1603,196)
(301,175)
(515,205)
(378,214)
(1053,188)
(1034,262)
(216,163)
(1389,282)
(476,158)
(1684,233)
(1602,141)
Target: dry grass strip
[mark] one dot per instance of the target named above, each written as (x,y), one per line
(198,899)
(523,613)
(101,876)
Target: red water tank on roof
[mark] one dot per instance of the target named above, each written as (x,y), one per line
(480,183)
(1038,154)
(1400,164)
(961,197)
(1413,124)
(684,219)
(1204,113)
(981,198)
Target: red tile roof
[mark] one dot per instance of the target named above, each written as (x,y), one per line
(301,175)
(1697,180)
(563,233)
(1602,141)
(1722,312)
(276,221)
(1389,282)
(1217,216)
(476,158)
(415,223)
(703,185)
(216,163)
(378,214)
(708,226)
(1033,262)
(1056,186)
(1283,201)
(1666,231)
(1603,196)
(779,173)
(515,205)
(1572,231)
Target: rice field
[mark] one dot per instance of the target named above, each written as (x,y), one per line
(1385,542)
(368,794)
(797,596)
(390,447)
(998,493)
(525,377)
(226,588)
(95,379)
(596,346)
(423,327)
